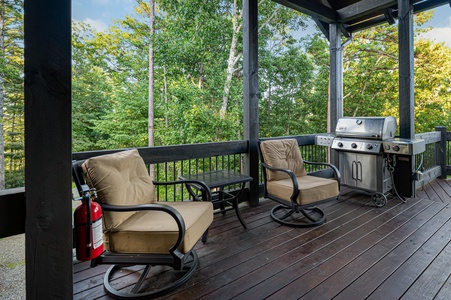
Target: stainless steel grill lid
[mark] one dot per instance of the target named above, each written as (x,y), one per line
(376,128)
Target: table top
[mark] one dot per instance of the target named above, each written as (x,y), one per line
(218,178)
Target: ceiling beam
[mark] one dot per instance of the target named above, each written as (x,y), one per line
(427,5)
(362,8)
(311,8)
(417,8)
(388,13)
(324,27)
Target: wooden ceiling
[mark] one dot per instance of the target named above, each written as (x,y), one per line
(355,15)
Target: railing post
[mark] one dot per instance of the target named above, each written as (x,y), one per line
(441,151)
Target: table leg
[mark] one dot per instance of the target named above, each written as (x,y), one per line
(235,205)
(234,200)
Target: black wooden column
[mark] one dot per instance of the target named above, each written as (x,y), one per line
(440,152)
(336,77)
(406,70)
(335,105)
(48,225)
(250,72)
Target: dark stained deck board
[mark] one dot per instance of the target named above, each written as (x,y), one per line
(426,280)
(446,186)
(307,255)
(384,253)
(445,291)
(431,193)
(412,255)
(439,190)
(274,255)
(315,269)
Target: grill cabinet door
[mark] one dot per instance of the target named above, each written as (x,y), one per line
(347,166)
(358,170)
(367,171)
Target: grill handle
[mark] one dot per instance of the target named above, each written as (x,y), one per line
(359,135)
(359,177)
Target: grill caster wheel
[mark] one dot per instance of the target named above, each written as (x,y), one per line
(379,199)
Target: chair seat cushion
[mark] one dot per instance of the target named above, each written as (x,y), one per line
(311,189)
(157,232)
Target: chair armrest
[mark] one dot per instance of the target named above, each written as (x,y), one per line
(206,193)
(295,193)
(337,174)
(155,207)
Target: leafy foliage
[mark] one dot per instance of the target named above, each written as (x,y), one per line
(198,77)
(11,94)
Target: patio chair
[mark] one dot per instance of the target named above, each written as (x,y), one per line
(287,182)
(138,230)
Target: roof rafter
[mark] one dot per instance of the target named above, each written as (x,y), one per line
(311,8)
(355,15)
(362,8)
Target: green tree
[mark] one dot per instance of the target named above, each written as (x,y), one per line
(370,71)
(92,89)
(11,94)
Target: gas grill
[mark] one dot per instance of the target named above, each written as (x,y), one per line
(359,143)
(372,159)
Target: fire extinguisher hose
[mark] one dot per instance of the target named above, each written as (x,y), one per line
(87,198)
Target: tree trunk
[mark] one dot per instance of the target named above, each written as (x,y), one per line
(165,94)
(151,101)
(151,77)
(233,59)
(2,96)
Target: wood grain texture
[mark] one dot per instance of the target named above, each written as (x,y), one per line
(361,251)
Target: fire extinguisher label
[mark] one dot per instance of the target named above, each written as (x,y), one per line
(97,235)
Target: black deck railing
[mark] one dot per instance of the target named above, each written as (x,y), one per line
(172,161)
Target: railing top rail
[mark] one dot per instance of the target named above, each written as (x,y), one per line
(429,137)
(303,140)
(160,154)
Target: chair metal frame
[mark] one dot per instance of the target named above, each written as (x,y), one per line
(185,263)
(292,207)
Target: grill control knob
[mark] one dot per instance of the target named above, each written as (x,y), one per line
(340,144)
(396,148)
(387,147)
(369,146)
(353,145)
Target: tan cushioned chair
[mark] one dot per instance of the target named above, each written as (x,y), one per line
(122,179)
(135,223)
(287,182)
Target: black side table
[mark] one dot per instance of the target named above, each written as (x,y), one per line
(216,181)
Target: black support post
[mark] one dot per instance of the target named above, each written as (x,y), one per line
(250,72)
(406,70)
(335,104)
(48,223)
(440,152)
(336,77)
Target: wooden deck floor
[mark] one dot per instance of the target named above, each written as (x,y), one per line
(399,251)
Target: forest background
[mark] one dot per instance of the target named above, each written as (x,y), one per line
(186,66)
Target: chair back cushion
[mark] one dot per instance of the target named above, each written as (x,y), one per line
(285,154)
(120,179)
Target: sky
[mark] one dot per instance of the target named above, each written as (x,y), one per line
(100,13)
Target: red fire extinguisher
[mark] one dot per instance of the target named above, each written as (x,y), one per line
(88,227)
